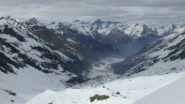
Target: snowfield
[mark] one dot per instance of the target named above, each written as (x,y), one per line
(171,94)
(27,83)
(122,91)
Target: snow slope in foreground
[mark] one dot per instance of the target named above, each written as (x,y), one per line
(130,90)
(25,84)
(173,93)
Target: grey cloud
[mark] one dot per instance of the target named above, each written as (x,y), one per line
(101,2)
(149,11)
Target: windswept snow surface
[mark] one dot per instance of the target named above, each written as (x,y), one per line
(173,93)
(131,89)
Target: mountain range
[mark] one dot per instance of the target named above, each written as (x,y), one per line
(92,57)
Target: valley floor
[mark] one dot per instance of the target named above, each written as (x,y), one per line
(121,91)
(100,73)
(102,67)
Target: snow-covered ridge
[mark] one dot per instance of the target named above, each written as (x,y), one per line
(135,30)
(13,23)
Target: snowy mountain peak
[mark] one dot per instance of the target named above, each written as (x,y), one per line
(15,24)
(10,19)
(172,28)
(105,27)
(138,30)
(98,22)
(34,22)
(7,20)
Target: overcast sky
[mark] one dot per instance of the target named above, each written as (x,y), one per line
(144,11)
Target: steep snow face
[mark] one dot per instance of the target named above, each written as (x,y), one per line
(28,65)
(121,91)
